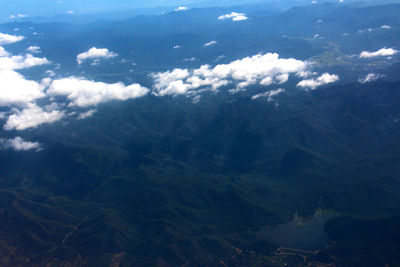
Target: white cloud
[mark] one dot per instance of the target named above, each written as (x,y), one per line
(31,117)
(269,95)
(181,8)
(95,53)
(33,49)
(85,93)
(380,53)
(386,27)
(259,69)
(312,84)
(21,62)
(177,46)
(210,43)
(3,52)
(9,39)
(371,77)
(15,89)
(18,144)
(234,16)
(86,114)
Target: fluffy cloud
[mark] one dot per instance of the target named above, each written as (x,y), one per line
(18,144)
(234,16)
(260,69)
(31,117)
(371,77)
(84,93)
(312,84)
(15,89)
(20,94)
(9,39)
(269,95)
(386,27)
(380,53)
(95,53)
(21,62)
(210,43)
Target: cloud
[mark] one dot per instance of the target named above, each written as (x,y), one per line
(33,49)
(9,39)
(380,53)
(15,89)
(269,95)
(234,16)
(189,59)
(386,27)
(84,93)
(181,8)
(371,77)
(21,62)
(20,95)
(18,144)
(31,117)
(3,52)
(17,16)
(177,46)
(365,30)
(324,79)
(260,69)
(95,53)
(210,43)
(86,114)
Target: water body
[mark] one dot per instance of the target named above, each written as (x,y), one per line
(300,233)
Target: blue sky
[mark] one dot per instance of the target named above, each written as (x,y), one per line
(34,8)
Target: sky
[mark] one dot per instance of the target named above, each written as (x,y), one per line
(58,7)
(15,9)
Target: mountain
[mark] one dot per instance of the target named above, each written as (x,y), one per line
(187,175)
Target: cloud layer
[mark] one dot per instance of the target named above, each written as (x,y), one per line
(260,69)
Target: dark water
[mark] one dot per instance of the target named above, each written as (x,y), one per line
(300,233)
